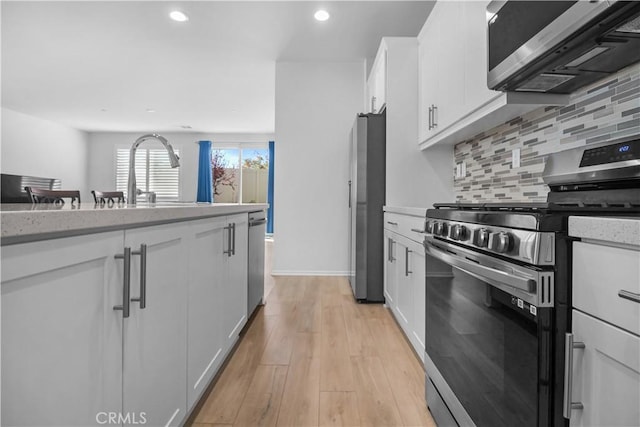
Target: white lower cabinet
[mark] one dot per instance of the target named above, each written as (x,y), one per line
(606,374)
(205,352)
(61,338)
(155,337)
(71,357)
(417,265)
(390,269)
(234,291)
(405,292)
(606,322)
(404,306)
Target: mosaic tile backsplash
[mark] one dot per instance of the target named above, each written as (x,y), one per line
(608,109)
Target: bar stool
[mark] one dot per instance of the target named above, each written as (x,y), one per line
(40,195)
(108,197)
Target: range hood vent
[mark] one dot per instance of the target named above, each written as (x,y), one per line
(559,46)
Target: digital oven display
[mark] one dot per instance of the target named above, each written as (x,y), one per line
(611,154)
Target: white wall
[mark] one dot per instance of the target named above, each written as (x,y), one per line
(102,155)
(316,105)
(37,147)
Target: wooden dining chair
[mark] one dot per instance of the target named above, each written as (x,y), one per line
(40,195)
(108,197)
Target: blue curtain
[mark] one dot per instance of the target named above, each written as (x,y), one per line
(270,187)
(205,184)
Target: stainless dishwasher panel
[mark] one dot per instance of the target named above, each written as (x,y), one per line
(257,230)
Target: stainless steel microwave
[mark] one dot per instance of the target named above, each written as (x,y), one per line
(559,46)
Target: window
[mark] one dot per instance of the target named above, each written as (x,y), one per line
(240,173)
(153,172)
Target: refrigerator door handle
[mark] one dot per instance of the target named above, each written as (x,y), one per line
(349,193)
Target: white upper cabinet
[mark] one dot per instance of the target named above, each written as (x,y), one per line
(455,102)
(377,82)
(475,56)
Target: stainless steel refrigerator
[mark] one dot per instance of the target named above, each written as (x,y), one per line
(366,200)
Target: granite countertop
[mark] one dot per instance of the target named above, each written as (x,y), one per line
(607,229)
(25,222)
(405,210)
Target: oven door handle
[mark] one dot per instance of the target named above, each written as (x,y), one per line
(523,283)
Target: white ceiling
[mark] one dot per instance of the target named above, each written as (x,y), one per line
(98,66)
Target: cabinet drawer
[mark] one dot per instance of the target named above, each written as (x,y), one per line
(600,273)
(405,225)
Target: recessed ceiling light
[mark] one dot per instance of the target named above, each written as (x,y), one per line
(150,110)
(321,15)
(176,15)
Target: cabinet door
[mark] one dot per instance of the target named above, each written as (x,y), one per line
(390,276)
(475,35)
(371,92)
(405,287)
(450,52)
(606,374)
(417,267)
(377,83)
(155,338)
(381,82)
(206,273)
(235,287)
(427,73)
(61,337)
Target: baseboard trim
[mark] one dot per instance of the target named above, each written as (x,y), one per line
(308,273)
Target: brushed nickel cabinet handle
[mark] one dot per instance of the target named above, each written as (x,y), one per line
(631,296)
(390,251)
(392,223)
(233,228)
(143,276)
(569,345)
(407,251)
(126,285)
(434,110)
(228,250)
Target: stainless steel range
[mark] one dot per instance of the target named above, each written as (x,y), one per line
(495,328)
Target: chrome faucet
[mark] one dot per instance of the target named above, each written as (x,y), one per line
(132,191)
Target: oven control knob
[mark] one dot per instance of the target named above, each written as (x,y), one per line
(500,242)
(482,237)
(437,228)
(440,229)
(428,227)
(459,232)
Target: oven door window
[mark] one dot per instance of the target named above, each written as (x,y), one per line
(487,349)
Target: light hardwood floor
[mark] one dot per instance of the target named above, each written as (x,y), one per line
(312,356)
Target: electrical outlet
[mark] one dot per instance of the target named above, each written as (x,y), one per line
(515,158)
(461,170)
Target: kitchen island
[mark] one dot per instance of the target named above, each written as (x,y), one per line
(126,310)
(23,222)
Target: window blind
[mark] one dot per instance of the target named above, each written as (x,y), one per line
(153,172)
